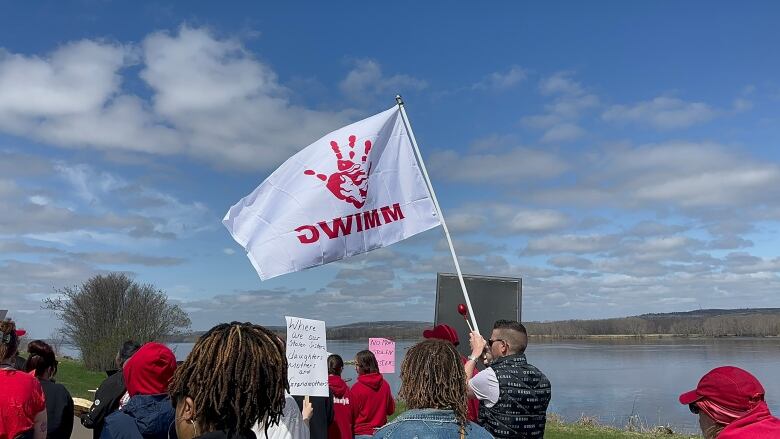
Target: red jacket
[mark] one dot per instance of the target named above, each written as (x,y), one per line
(341,427)
(372,401)
(757,424)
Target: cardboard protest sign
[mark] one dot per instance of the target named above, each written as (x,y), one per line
(384,351)
(307,357)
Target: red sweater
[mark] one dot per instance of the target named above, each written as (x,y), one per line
(372,401)
(341,427)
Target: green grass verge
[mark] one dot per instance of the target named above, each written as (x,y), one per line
(559,430)
(77,379)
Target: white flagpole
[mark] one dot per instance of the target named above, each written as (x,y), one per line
(438,208)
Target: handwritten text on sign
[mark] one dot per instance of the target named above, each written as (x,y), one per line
(384,351)
(307,367)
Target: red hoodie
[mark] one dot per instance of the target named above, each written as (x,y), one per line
(372,401)
(149,370)
(757,424)
(341,427)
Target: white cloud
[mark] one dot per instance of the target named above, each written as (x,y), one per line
(229,107)
(560,83)
(560,121)
(563,133)
(699,190)
(570,261)
(534,221)
(78,77)
(366,81)
(571,244)
(689,176)
(72,98)
(744,263)
(742,105)
(211,100)
(662,112)
(465,222)
(498,169)
(502,80)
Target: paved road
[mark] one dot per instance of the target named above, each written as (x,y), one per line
(79,432)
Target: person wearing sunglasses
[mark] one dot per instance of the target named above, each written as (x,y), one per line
(513,395)
(730,404)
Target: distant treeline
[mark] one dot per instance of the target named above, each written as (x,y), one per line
(754,322)
(396,330)
(762,322)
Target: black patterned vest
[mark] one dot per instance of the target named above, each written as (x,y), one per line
(524,393)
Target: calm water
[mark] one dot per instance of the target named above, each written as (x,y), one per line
(613,380)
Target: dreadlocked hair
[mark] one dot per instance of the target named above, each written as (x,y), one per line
(432,376)
(236,375)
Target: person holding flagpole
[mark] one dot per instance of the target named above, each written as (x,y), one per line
(513,395)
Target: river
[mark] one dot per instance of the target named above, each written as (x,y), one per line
(613,380)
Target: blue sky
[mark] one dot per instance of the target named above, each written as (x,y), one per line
(621,158)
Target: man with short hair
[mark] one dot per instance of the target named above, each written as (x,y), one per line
(513,394)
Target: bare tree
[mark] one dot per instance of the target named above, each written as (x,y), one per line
(105,311)
(57,341)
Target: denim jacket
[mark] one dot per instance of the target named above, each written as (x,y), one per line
(429,424)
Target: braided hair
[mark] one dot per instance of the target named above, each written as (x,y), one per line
(236,375)
(432,376)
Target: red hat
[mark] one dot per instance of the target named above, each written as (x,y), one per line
(442,332)
(149,370)
(728,386)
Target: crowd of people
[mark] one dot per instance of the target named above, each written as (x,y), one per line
(233,385)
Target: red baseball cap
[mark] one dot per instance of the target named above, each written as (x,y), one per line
(728,386)
(442,332)
(149,370)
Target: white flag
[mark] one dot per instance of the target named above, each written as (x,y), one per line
(355,190)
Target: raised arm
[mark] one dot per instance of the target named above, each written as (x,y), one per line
(477,343)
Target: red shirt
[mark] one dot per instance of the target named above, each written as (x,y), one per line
(372,401)
(22,399)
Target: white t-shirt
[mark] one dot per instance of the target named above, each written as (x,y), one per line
(291,425)
(485,387)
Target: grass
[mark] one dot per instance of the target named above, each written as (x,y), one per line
(78,380)
(558,430)
(587,428)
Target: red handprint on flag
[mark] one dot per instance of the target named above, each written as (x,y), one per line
(350,182)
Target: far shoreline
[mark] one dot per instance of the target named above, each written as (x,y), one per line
(651,336)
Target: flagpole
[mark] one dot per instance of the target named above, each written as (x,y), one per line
(436,205)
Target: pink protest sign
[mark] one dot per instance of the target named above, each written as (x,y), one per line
(384,350)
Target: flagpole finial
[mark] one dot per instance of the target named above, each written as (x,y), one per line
(399,100)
